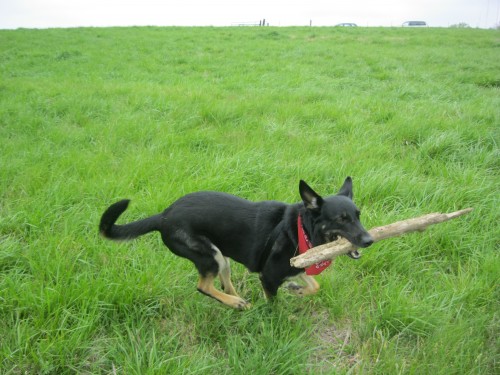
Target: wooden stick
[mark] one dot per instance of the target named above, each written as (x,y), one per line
(342,246)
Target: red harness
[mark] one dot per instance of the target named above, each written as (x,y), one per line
(304,245)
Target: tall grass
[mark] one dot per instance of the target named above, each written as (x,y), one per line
(88,116)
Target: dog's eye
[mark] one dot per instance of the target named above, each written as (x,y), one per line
(345,218)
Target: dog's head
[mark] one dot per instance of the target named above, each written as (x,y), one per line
(328,218)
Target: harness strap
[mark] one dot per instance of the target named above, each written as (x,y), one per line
(304,245)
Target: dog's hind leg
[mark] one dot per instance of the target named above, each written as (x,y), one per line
(206,286)
(225,278)
(206,283)
(209,261)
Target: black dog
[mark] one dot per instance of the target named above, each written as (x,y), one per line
(210,227)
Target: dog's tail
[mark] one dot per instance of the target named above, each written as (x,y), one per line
(109,229)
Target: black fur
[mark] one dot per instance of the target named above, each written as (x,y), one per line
(260,235)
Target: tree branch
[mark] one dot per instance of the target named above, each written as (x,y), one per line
(342,246)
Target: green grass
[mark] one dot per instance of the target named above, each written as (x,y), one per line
(88,116)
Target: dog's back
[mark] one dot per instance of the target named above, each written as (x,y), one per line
(238,227)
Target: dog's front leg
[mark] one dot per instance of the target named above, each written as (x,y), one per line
(270,288)
(311,286)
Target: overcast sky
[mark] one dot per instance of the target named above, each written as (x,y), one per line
(75,13)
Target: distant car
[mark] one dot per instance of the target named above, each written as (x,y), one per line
(347,24)
(415,24)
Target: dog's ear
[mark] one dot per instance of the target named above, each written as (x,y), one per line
(346,189)
(311,199)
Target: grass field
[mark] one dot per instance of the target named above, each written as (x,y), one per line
(89,116)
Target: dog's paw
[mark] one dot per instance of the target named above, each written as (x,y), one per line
(243,305)
(240,304)
(295,288)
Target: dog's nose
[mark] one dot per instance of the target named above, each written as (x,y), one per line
(367,240)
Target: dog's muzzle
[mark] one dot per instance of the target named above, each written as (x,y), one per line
(365,241)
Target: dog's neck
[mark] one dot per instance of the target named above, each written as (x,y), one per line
(307,223)
(303,239)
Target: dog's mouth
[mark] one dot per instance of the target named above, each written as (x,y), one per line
(333,236)
(354,254)
(330,237)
